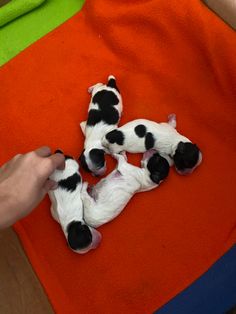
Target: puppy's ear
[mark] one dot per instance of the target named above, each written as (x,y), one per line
(115,136)
(83,126)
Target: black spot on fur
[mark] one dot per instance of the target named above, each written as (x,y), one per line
(105,98)
(140,130)
(97,157)
(115,136)
(110,115)
(70,183)
(186,156)
(158,167)
(112,83)
(94,117)
(149,141)
(79,236)
(83,162)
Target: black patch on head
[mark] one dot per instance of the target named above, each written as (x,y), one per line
(149,141)
(115,136)
(79,236)
(105,98)
(97,157)
(83,162)
(112,83)
(110,115)
(140,130)
(158,167)
(186,156)
(70,183)
(94,117)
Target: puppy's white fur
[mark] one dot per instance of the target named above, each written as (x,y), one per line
(67,205)
(110,196)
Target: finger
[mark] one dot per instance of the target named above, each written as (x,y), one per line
(50,185)
(43,151)
(58,161)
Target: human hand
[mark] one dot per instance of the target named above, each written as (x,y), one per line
(24,183)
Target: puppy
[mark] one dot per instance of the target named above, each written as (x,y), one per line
(140,135)
(103,115)
(67,208)
(104,201)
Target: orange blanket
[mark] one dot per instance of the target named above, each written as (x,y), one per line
(168,56)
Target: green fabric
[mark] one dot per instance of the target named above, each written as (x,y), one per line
(16,8)
(23,31)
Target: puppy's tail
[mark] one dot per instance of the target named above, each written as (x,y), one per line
(112,82)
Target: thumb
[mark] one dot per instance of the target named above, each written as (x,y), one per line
(50,185)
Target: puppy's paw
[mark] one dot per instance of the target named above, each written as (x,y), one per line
(123,153)
(120,157)
(54,214)
(83,126)
(84,187)
(91,88)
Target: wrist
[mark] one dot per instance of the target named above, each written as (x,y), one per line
(8,213)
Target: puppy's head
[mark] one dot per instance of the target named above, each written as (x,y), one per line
(187,157)
(93,160)
(82,238)
(157,166)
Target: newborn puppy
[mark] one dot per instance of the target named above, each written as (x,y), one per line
(104,201)
(67,208)
(103,116)
(140,135)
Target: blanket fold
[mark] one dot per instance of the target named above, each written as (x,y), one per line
(16,8)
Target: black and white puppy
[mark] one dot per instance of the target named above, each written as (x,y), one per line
(104,201)
(67,208)
(104,113)
(140,135)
